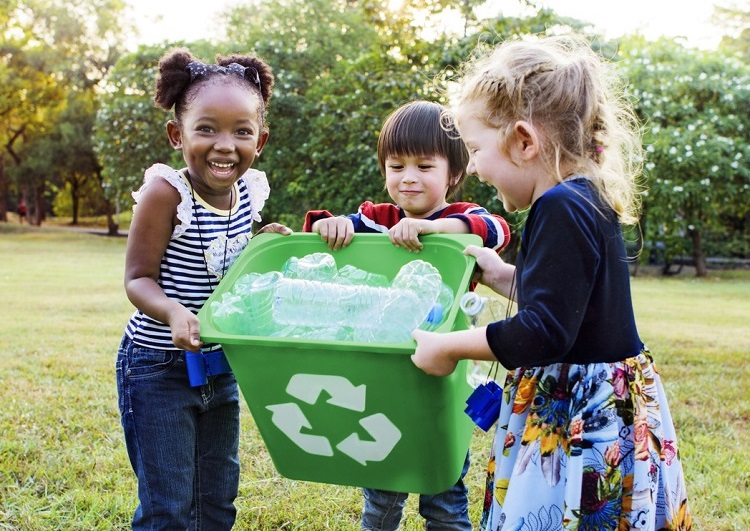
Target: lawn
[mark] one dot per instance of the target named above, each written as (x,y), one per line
(62,458)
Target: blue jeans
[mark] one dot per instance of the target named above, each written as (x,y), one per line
(182,441)
(447,511)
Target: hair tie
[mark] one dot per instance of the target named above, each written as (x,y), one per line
(198,69)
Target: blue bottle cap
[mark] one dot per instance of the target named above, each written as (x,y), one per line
(435,317)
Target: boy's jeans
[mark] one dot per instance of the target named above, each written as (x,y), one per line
(447,511)
(182,441)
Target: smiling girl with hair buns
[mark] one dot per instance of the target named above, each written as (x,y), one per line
(188,226)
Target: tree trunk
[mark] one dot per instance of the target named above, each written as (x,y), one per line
(698,256)
(74,199)
(39,206)
(113,228)
(3,192)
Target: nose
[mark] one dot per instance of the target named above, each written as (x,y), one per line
(471,167)
(410,175)
(224,143)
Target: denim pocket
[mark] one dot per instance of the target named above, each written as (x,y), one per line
(145,362)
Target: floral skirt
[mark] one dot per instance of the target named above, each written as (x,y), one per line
(585,447)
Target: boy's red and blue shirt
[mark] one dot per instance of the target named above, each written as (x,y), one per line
(374,218)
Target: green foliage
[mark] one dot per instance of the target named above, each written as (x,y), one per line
(341,68)
(52,57)
(697,136)
(734,19)
(130,131)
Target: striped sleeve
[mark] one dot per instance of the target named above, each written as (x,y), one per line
(493,229)
(369,218)
(312,216)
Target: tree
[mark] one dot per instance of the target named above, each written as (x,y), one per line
(694,106)
(341,67)
(130,131)
(734,20)
(47,52)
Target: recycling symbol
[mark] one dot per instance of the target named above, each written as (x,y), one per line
(290,419)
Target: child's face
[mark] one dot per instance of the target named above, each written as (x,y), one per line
(417,184)
(488,162)
(221,135)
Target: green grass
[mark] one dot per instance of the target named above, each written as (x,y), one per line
(62,458)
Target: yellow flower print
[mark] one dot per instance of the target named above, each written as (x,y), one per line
(550,441)
(532,430)
(524,395)
(501,489)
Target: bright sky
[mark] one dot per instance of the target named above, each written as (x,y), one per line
(160,20)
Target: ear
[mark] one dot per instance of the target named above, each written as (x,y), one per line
(262,139)
(526,140)
(453,180)
(174,134)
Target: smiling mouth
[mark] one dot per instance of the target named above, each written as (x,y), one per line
(222,167)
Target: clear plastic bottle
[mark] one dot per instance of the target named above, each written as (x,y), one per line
(440,310)
(373,313)
(228,314)
(480,311)
(313,303)
(416,288)
(349,274)
(256,294)
(314,266)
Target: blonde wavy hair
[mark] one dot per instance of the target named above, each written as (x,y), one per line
(575,99)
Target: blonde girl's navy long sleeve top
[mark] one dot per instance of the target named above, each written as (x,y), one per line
(573,285)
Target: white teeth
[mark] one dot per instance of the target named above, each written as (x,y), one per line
(223,164)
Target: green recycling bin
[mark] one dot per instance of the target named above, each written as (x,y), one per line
(351,413)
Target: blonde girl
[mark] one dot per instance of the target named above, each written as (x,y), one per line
(585,439)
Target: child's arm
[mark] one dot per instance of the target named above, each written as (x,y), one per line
(337,232)
(406,232)
(457,218)
(493,271)
(278,228)
(438,354)
(148,237)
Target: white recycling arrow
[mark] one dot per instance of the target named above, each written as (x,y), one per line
(381,429)
(290,420)
(307,387)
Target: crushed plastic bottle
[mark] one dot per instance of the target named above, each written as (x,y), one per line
(440,310)
(480,311)
(312,299)
(229,314)
(314,266)
(349,274)
(247,309)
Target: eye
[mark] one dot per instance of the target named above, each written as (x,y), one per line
(245,132)
(205,129)
(396,166)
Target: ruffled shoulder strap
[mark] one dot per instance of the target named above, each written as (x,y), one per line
(257,184)
(173,177)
